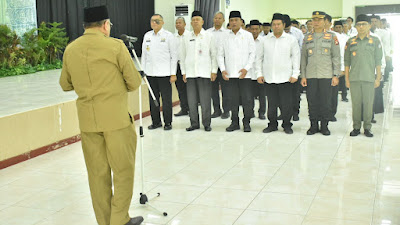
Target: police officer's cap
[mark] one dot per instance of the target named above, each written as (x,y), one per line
(338,23)
(95,14)
(235,14)
(286,20)
(255,22)
(363,17)
(196,13)
(318,14)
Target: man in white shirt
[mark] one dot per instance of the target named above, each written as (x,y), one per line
(236,56)
(389,49)
(218,32)
(352,32)
(258,89)
(266,29)
(338,28)
(295,32)
(159,62)
(199,67)
(278,64)
(180,25)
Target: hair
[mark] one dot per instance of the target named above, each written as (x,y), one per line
(158,15)
(384,20)
(375,17)
(309,21)
(181,18)
(100,23)
(223,16)
(303,26)
(328,17)
(352,20)
(294,22)
(247,25)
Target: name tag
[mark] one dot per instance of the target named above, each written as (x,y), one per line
(148,40)
(162,39)
(192,40)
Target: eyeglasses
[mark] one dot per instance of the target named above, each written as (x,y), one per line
(111,24)
(361,24)
(157,21)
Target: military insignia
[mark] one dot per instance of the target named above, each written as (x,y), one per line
(328,35)
(327,38)
(309,39)
(345,47)
(354,53)
(309,51)
(148,48)
(371,41)
(326,50)
(336,40)
(353,43)
(317,13)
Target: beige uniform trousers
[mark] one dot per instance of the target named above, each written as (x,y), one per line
(105,152)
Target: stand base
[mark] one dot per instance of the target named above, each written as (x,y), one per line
(145,201)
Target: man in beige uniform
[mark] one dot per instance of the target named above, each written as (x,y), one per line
(101,72)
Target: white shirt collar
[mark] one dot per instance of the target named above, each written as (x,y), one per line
(159,32)
(284,35)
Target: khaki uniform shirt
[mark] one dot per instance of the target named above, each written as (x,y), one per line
(101,71)
(320,55)
(363,56)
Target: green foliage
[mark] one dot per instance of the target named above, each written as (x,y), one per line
(39,49)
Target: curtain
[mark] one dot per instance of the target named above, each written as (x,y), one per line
(207,8)
(130,17)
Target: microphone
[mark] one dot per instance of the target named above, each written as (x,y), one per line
(127,38)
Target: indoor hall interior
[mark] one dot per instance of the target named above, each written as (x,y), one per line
(215,177)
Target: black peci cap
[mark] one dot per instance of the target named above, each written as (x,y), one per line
(95,14)
(255,22)
(196,13)
(235,14)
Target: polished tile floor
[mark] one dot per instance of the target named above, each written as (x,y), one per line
(218,178)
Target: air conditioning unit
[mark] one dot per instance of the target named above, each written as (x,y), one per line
(185,11)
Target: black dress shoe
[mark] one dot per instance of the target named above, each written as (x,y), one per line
(152,127)
(182,113)
(167,126)
(345,100)
(225,115)
(288,130)
(246,128)
(233,127)
(355,132)
(270,129)
(261,117)
(135,221)
(192,128)
(216,114)
(368,133)
(296,118)
(373,121)
(207,128)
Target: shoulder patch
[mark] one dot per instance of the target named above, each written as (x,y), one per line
(336,40)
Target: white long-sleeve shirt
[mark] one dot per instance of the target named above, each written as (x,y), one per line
(352,32)
(258,44)
(218,34)
(159,53)
(298,34)
(179,39)
(198,55)
(279,59)
(386,40)
(236,52)
(342,38)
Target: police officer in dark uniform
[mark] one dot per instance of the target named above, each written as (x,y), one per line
(320,70)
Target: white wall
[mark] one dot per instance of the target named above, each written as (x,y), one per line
(166,8)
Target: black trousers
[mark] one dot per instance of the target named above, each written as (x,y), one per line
(260,92)
(241,88)
(199,88)
(342,87)
(181,87)
(378,106)
(215,94)
(388,69)
(280,95)
(161,87)
(334,101)
(296,97)
(319,94)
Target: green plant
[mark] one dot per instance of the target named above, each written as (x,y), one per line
(10,53)
(33,52)
(52,39)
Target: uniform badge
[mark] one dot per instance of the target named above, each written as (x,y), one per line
(354,53)
(336,40)
(148,48)
(310,51)
(326,50)
(371,41)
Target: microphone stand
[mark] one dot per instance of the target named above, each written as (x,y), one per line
(144,200)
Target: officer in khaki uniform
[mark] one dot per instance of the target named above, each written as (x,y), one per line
(363,56)
(101,72)
(320,70)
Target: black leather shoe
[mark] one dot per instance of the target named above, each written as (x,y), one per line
(296,118)
(216,114)
(368,133)
(233,127)
(288,130)
(135,221)
(262,117)
(192,128)
(207,128)
(314,128)
(373,121)
(225,115)
(345,100)
(270,129)
(167,126)
(246,128)
(152,127)
(324,128)
(355,132)
(182,113)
